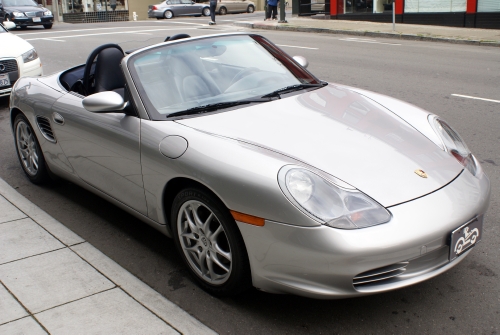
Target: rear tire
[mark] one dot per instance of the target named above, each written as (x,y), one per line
(168,14)
(223,11)
(47,26)
(250,9)
(29,152)
(210,243)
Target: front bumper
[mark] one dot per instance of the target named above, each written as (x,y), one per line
(321,262)
(28,21)
(30,69)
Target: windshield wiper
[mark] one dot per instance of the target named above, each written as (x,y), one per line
(216,106)
(292,88)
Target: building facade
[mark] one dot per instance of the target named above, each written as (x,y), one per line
(455,13)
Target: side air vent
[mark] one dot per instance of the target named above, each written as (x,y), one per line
(45,128)
(377,276)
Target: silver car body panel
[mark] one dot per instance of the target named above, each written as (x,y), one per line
(383,151)
(321,262)
(104,150)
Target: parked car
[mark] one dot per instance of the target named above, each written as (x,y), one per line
(262,174)
(170,8)
(17,58)
(25,13)
(234,6)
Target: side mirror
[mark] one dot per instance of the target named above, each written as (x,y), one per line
(9,25)
(104,102)
(302,61)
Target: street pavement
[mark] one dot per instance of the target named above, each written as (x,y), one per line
(466,299)
(471,36)
(53,281)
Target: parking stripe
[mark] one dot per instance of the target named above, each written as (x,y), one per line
(475,98)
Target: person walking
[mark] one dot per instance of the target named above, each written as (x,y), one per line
(213,6)
(272,10)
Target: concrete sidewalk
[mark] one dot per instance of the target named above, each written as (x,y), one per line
(52,281)
(471,36)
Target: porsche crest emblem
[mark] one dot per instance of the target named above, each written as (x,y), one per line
(421,173)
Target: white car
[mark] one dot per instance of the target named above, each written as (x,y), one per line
(18,58)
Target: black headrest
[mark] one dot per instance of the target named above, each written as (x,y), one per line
(176,37)
(108,74)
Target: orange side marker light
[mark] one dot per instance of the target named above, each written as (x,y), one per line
(250,219)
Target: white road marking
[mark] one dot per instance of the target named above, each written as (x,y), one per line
(475,98)
(365,41)
(111,33)
(79,30)
(294,46)
(180,22)
(51,39)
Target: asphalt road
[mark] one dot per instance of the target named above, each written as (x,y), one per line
(464,300)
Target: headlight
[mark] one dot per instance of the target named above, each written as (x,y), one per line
(17,14)
(29,56)
(453,143)
(338,206)
(47,13)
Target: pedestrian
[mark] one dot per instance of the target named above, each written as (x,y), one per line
(272,10)
(113,4)
(213,6)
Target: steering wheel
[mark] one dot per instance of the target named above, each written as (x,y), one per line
(254,80)
(87,83)
(243,73)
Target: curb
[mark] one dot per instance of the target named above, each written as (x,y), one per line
(412,37)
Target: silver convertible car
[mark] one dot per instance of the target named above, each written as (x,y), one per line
(261,173)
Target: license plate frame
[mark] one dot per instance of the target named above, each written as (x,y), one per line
(37,19)
(4,80)
(465,237)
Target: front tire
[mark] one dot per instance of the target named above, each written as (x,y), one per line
(29,152)
(210,243)
(168,14)
(47,26)
(223,11)
(206,11)
(250,9)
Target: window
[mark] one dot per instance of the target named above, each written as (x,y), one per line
(435,6)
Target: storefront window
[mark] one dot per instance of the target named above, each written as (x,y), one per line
(488,6)
(435,6)
(365,6)
(79,6)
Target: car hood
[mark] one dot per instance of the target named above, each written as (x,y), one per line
(344,134)
(24,9)
(17,45)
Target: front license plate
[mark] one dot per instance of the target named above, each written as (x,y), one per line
(466,237)
(37,19)
(4,80)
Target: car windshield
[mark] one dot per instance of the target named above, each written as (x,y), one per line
(17,3)
(215,72)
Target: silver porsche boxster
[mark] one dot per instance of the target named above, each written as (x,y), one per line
(261,173)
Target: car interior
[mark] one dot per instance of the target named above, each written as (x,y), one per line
(102,71)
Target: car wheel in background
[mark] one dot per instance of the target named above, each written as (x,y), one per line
(250,9)
(210,242)
(168,14)
(29,152)
(206,11)
(223,11)
(47,26)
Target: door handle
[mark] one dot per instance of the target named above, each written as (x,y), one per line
(57,118)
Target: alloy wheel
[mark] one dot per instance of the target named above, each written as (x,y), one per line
(204,242)
(27,148)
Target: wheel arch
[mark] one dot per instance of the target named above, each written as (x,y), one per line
(14,112)
(174,186)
